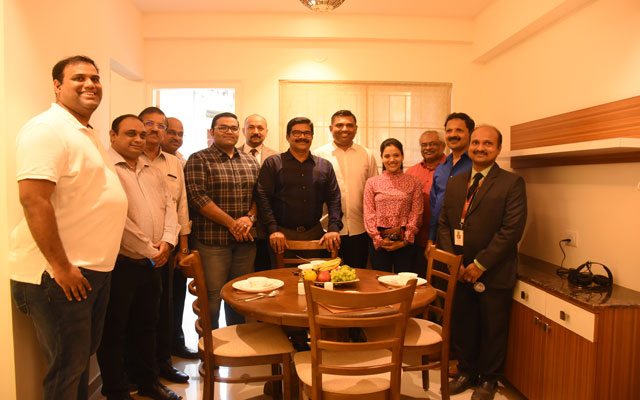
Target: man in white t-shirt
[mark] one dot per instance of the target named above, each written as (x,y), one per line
(353,165)
(62,253)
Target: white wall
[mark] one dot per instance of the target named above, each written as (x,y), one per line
(35,35)
(589,57)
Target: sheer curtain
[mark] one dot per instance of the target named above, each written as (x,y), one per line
(400,110)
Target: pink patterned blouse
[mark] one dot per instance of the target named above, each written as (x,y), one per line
(391,200)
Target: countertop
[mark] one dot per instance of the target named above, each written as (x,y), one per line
(543,274)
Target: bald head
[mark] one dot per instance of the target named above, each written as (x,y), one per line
(255,130)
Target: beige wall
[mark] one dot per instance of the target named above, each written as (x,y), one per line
(36,34)
(589,57)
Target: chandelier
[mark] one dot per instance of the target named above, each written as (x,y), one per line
(322,5)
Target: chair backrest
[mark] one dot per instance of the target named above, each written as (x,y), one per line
(396,317)
(306,245)
(453,263)
(191,266)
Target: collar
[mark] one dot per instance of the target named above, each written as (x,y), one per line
(118,159)
(484,172)
(69,118)
(424,164)
(247,149)
(220,152)
(288,156)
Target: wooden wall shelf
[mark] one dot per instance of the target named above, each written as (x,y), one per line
(592,152)
(606,133)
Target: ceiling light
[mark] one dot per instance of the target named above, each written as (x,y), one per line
(322,5)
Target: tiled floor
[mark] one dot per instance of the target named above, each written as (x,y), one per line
(411,382)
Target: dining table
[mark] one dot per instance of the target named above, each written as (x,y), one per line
(288,308)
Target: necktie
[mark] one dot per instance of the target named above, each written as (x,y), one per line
(474,185)
(254,152)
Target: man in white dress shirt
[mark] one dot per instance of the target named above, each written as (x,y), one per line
(255,132)
(353,165)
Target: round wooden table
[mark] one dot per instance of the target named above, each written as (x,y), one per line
(289,309)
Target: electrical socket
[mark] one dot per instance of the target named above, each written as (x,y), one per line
(573,235)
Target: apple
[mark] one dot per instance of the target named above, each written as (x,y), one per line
(324,276)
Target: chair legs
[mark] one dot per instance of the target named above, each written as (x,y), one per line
(425,373)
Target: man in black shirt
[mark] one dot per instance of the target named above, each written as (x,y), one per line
(292,189)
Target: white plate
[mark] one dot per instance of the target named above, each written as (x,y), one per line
(396,281)
(305,266)
(246,287)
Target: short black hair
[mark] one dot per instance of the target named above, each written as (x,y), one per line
(391,142)
(153,110)
(115,125)
(343,113)
(492,127)
(299,120)
(58,70)
(223,115)
(467,120)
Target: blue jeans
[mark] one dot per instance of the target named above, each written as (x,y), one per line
(69,332)
(222,264)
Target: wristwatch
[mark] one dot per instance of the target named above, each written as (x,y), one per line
(253,218)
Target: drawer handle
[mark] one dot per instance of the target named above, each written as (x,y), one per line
(523,295)
(564,316)
(536,321)
(546,327)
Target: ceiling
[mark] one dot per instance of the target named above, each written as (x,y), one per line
(415,8)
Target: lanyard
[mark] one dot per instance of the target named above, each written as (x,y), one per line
(468,201)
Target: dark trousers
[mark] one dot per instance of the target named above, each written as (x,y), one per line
(263,260)
(480,330)
(69,332)
(420,263)
(169,329)
(354,250)
(400,260)
(132,316)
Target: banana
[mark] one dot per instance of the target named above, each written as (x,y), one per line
(328,265)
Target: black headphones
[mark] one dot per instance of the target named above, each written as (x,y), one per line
(589,279)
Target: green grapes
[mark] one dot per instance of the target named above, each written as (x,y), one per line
(343,273)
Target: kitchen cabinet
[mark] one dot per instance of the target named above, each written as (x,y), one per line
(569,343)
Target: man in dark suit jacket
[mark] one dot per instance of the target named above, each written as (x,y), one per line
(484,221)
(255,132)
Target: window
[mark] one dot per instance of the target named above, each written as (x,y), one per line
(400,110)
(195,107)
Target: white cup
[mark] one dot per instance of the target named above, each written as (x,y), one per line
(257,281)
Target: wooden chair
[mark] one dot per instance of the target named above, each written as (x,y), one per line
(306,245)
(427,338)
(341,370)
(237,345)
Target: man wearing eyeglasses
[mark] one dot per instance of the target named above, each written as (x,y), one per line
(292,189)
(220,183)
(432,150)
(156,124)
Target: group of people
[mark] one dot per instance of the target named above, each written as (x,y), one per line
(89,262)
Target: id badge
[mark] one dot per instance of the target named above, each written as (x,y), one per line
(458,235)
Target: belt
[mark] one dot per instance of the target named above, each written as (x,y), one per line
(143,262)
(301,228)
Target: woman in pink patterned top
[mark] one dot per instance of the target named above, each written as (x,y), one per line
(392,200)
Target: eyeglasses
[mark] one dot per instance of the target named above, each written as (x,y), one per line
(430,144)
(151,124)
(301,133)
(225,129)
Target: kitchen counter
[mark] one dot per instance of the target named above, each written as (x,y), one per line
(543,274)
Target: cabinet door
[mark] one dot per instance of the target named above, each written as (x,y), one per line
(525,351)
(569,365)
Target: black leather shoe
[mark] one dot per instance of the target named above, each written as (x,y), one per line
(158,391)
(484,391)
(460,383)
(184,352)
(168,372)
